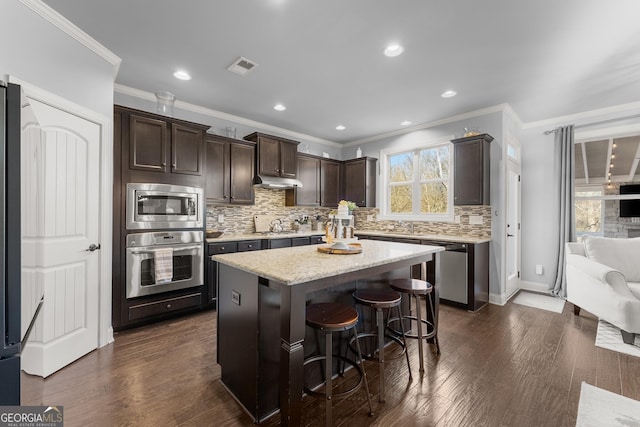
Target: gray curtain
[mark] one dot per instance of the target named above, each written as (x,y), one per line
(565,153)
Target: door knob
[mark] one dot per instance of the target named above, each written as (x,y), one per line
(93,247)
(509,235)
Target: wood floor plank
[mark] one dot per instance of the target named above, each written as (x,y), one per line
(502,366)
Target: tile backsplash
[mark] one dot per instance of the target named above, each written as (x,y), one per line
(239,219)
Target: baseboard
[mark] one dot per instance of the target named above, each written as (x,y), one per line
(534,287)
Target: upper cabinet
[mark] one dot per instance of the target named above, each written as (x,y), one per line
(320,179)
(330,193)
(360,181)
(276,156)
(230,167)
(472,170)
(309,175)
(160,145)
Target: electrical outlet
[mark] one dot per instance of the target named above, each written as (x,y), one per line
(235,297)
(539,269)
(475,219)
(369,217)
(220,218)
(456,219)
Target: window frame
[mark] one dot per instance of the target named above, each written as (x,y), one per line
(385,154)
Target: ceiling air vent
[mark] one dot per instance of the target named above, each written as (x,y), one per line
(242,66)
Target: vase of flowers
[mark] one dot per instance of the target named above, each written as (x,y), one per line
(346,207)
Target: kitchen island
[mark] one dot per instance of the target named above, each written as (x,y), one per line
(262,297)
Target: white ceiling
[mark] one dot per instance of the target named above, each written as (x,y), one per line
(323,59)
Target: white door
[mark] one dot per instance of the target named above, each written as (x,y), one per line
(60,220)
(513,232)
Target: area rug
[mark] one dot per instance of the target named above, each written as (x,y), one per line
(598,407)
(609,337)
(544,302)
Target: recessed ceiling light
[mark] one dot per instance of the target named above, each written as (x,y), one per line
(393,50)
(279,107)
(182,75)
(340,127)
(449,94)
(405,123)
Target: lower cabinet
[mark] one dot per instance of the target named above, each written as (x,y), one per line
(168,305)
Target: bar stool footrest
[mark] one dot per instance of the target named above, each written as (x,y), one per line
(342,394)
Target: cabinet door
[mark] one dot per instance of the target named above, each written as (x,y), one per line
(309,175)
(242,161)
(288,159)
(269,156)
(468,182)
(355,182)
(217,171)
(329,183)
(147,144)
(186,150)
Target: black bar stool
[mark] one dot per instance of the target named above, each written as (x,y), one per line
(421,289)
(328,318)
(379,299)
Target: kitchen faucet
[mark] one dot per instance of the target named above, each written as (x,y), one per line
(408,225)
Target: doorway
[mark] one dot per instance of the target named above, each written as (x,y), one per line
(513,216)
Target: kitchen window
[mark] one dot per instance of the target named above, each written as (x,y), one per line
(418,183)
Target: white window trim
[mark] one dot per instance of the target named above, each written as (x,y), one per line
(384,178)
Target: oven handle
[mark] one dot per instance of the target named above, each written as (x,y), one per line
(175,249)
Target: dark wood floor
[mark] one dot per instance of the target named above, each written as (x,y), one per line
(502,366)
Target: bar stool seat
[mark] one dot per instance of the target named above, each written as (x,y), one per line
(328,318)
(421,289)
(380,299)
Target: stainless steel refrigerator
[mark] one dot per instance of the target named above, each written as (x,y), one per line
(10,244)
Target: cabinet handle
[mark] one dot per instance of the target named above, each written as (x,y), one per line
(174,165)
(168,306)
(164,163)
(250,246)
(222,248)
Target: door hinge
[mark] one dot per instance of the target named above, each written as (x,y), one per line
(518,178)
(518,274)
(518,226)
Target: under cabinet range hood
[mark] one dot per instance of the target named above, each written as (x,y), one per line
(275,182)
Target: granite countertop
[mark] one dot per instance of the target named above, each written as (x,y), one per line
(421,236)
(233,237)
(302,264)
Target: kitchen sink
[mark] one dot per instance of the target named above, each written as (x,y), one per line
(214,234)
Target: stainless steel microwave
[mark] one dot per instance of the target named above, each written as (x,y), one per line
(163,206)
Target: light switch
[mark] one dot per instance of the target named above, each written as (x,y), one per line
(539,269)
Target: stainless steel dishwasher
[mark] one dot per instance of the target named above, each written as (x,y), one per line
(452,272)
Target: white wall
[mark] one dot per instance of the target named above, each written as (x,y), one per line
(37,52)
(491,123)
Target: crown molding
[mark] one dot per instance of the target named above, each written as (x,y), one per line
(137,93)
(73,31)
(585,115)
(464,116)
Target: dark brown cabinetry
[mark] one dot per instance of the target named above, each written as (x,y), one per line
(472,170)
(329,183)
(156,149)
(230,169)
(360,181)
(309,175)
(160,146)
(276,156)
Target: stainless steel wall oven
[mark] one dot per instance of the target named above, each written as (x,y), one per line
(163,206)
(163,261)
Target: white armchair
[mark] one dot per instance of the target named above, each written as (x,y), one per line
(603,277)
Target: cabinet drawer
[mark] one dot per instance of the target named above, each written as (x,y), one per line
(249,245)
(315,240)
(278,243)
(165,306)
(222,248)
(299,241)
